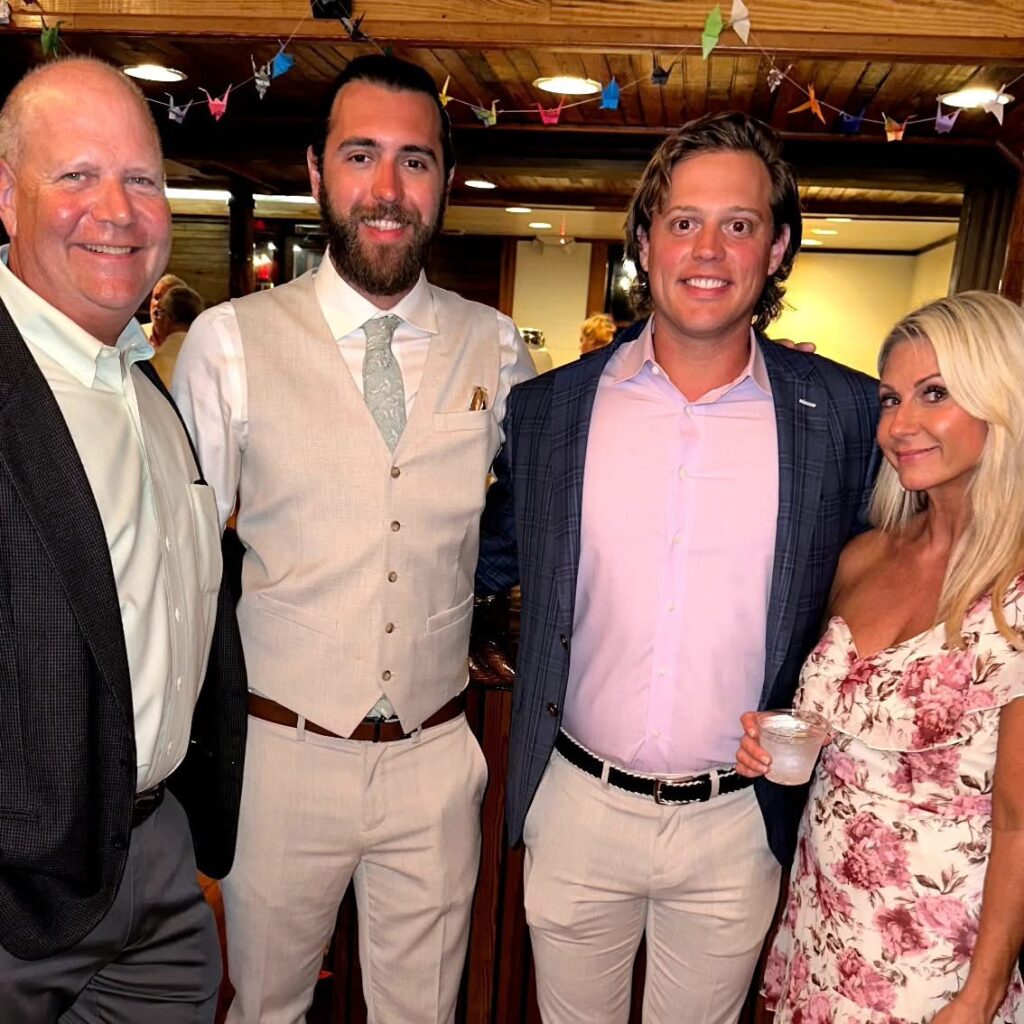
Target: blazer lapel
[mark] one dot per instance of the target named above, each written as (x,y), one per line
(801,417)
(39,456)
(572,404)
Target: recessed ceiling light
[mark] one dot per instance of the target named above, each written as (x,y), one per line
(540,225)
(839,220)
(811,241)
(207,194)
(294,200)
(518,209)
(823,231)
(154,73)
(479,183)
(975,97)
(568,85)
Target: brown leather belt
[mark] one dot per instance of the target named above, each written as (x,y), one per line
(372,730)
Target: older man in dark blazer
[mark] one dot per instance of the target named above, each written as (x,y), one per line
(109,580)
(680,501)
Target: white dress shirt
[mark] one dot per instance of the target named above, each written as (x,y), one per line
(210,382)
(161,526)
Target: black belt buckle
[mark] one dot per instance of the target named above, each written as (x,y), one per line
(657,790)
(146,803)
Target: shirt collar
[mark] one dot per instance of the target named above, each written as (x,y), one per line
(345,310)
(639,355)
(58,336)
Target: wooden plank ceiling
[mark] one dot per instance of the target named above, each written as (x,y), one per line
(593,156)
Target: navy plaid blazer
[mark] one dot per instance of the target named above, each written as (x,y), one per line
(826,416)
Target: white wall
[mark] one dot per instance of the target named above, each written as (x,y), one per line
(551,295)
(844,303)
(931,275)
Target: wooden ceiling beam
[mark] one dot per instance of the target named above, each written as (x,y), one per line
(957,32)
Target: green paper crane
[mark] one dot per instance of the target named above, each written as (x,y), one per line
(712,31)
(49,39)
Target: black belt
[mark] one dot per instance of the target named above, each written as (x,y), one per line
(695,789)
(146,803)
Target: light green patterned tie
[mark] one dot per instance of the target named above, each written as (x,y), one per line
(383,389)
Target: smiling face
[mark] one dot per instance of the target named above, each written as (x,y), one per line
(85,208)
(926,437)
(381,187)
(710,248)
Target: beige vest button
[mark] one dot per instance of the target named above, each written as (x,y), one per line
(395,472)
(389,628)
(385,675)
(395,526)
(392,576)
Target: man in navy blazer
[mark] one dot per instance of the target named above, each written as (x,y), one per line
(680,502)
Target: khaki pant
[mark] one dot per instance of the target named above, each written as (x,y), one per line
(402,820)
(604,866)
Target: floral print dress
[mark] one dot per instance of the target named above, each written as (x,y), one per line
(886,888)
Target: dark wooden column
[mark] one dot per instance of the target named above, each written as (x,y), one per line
(1013,273)
(981,239)
(240,210)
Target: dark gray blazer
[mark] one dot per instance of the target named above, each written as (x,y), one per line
(826,417)
(67,738)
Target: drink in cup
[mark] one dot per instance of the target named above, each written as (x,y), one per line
(793,739)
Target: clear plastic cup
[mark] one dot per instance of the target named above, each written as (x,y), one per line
(793,739)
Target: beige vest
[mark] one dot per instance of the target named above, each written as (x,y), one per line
(359,565)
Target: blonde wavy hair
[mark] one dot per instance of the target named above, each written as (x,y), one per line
(596,332)
(978,338)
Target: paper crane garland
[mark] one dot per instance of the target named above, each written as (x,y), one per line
(174,112)
(944,122)
(489,118)
(261,76)
(740,20)
(775,77)
(218,107)
(894,129)
(812,104)
(49,39)
(282,62)
(712,31)
(610,95)
(659,75)
(444,97)
(5,12)
(551,115)
(994,107)
(851,123)
(355,33)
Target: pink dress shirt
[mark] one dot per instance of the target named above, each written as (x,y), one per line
(680,501)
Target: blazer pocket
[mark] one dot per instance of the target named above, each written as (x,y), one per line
(297,616)
(450,615)
(474,419)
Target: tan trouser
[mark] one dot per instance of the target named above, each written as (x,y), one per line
(603,866)
(403,820)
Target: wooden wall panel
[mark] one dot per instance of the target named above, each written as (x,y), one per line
(199,255)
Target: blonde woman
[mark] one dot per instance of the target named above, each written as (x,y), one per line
(906,901)
(596,332)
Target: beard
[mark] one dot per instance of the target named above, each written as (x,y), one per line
(386,269)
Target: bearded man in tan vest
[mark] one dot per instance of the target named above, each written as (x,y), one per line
(356,412)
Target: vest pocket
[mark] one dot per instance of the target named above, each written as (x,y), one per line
(279,610)
(450,616)
(474,419)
